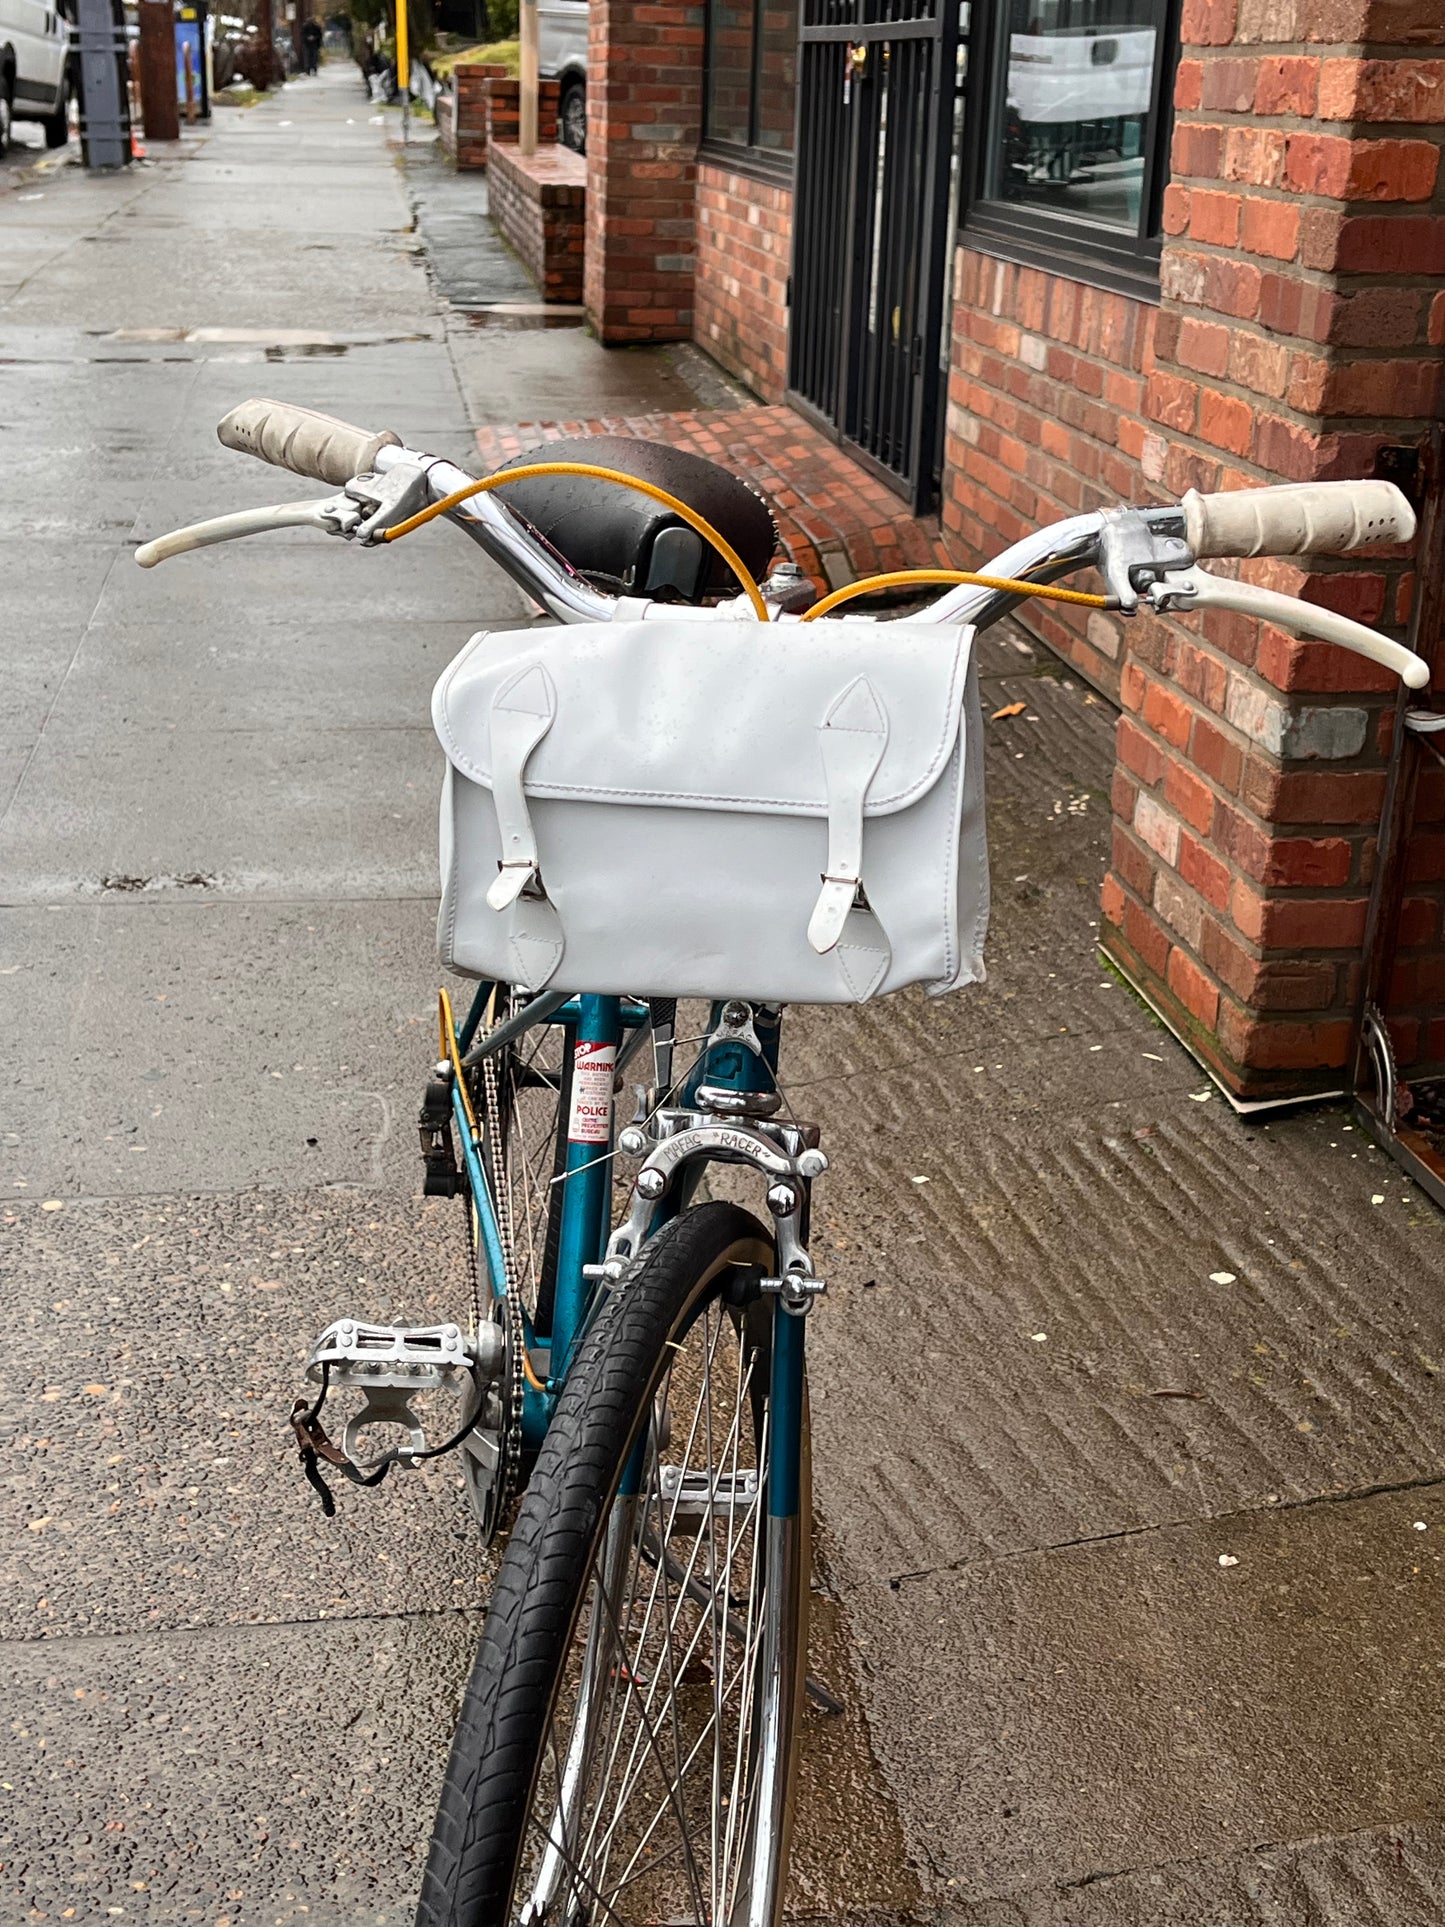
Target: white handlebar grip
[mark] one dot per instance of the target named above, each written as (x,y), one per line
(1299,518)
(303,441)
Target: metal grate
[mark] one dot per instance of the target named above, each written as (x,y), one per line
(876,125)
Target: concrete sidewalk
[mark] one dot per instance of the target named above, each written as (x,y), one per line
(1129,1437)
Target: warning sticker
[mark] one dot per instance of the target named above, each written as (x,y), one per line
(590,1120)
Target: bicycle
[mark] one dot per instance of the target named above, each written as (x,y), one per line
(632,1379)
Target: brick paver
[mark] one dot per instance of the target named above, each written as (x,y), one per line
(837,521)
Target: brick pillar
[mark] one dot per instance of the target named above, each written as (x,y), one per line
(467,122)
(644,118)
(1300,333)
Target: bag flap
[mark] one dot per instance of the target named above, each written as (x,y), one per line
(700,715)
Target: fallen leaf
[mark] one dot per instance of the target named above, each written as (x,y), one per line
(1009,709)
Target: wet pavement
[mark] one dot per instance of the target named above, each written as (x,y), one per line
(1128,1421)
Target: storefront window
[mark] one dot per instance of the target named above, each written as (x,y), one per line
(752,48)
(1076,130)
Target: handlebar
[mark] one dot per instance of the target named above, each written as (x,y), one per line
(1292,519)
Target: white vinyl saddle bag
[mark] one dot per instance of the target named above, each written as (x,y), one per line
(792,814)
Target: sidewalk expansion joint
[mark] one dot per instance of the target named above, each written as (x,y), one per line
(1425,1483)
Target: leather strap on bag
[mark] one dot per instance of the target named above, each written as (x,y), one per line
(852,738)
(522,713)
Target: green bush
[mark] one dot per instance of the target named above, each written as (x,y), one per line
(502,19)
(504,53)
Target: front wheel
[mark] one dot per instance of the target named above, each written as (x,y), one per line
(627,1742)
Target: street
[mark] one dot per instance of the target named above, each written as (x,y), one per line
(1128,1432)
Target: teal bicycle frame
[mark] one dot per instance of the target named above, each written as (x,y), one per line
(585,1222)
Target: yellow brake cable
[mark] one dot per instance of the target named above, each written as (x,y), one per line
(536,469)
(903,578)
(895,579)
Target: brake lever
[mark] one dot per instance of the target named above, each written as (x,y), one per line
(330,514)
(1196,588)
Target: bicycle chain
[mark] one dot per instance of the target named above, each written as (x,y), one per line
(512,1327)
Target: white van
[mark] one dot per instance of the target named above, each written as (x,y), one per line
(36,76)
(562,56)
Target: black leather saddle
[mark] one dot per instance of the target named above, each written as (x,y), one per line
(627,543)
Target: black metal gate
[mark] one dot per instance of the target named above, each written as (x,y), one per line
(877,90)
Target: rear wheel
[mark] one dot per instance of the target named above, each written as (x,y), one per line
(7,112)
(57,125)
(626,1745)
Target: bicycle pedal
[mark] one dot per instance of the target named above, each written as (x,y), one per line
(390,1365)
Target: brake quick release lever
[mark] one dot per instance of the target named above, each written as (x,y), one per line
(1135,548)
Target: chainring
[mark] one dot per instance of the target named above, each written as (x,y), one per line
(492,1450)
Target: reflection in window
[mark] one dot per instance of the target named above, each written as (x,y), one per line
(1078,94)
(752,51)
(730,70)
(777,75)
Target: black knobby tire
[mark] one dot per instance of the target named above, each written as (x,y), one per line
(477,1849)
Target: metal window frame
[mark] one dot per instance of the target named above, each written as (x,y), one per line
(1089,251)
(744,157)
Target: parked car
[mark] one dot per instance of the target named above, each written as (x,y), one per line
(37,77)
(562,56)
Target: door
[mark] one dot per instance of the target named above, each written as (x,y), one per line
(879,89)
(37,33)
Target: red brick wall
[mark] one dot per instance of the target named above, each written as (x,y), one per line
(644,117)
(1300,330)
(1045,419)
(462,113)
(1294,341)
(744,235)
(538,202)
(502,111)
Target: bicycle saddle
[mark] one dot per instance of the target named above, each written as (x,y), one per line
(625,542)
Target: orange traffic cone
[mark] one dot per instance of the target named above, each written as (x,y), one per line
(137,146)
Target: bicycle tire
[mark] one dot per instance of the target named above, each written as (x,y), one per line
(697,1273)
